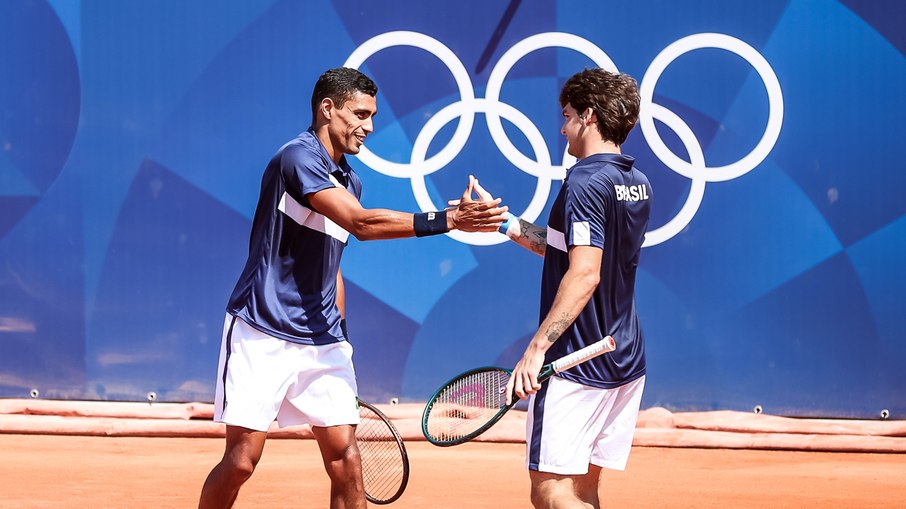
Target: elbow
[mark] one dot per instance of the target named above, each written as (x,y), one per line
(363,230)
(360,232)
(589,278)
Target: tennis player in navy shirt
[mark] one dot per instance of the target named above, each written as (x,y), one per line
(285,354)
(583,419)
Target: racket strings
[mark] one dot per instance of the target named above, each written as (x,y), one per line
(383,471)
(467,404)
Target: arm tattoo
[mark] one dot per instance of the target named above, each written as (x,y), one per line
(534,238)
(556,329)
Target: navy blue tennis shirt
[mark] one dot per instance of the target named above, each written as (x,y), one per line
(288,287)
(604,202)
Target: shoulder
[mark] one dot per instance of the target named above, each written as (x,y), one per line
(591,177)
(304,150)
(640,176)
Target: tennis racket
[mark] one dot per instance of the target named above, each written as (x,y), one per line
(471,403)
(385,464)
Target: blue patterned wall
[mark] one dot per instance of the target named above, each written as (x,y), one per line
(133,136)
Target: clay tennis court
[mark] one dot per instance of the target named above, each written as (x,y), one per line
(108,455)
(108,472)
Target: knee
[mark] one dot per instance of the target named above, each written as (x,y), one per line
(539,501)
(547,492)
(540,497)
(239,468)
(347,463)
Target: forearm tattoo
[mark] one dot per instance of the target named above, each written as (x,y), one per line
(555,330)
(532,237)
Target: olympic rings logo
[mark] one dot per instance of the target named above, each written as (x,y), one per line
(542,166)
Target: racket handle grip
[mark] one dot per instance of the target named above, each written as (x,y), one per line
(589,352)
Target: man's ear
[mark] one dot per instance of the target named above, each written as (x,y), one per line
(326,108)
(589,116)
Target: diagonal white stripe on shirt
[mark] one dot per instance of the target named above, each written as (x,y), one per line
(311,219)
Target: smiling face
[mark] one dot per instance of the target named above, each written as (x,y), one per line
(349,124)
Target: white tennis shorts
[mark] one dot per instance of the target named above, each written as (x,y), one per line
(262,378)
(571,425)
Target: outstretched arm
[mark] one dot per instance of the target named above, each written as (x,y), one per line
(520,231)
(526,234)
(344,209)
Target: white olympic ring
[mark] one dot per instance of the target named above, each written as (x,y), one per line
(775,101)
(463,82)
(495,84)
(542,167)
(696,192)
(442,118)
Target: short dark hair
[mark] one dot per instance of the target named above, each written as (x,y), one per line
(613,97)
(340,84)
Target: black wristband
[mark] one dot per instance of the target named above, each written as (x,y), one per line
(430,223)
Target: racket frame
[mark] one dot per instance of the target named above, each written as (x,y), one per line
(431,401)
(548,370)
(403,454)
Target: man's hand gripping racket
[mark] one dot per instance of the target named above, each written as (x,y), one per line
(469,404)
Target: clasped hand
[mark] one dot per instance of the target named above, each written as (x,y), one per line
(481,215)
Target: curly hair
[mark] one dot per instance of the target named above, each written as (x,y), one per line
(339,85)
(613,97)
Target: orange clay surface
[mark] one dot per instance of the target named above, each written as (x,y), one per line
(126,472)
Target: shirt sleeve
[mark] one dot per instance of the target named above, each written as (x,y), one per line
(304,172)
(585,215)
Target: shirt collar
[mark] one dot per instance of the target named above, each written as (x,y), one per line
(343,167)
(621,161)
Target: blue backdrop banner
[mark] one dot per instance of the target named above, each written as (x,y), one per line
(133,136)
